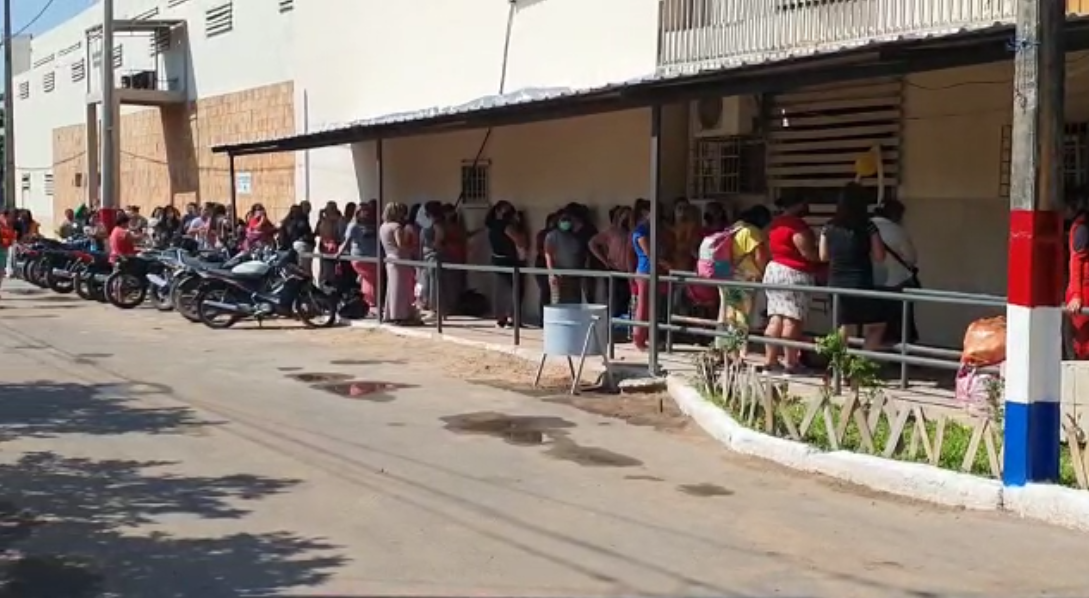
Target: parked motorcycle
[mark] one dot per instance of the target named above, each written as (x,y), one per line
(262,289)
(89,277)
(128,285)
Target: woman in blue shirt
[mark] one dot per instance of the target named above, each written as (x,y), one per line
(640,241)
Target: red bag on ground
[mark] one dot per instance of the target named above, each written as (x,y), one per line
(985,342)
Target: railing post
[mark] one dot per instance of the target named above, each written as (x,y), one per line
(655,196)
(436,291)
(380,263)
(516,305)
(669,315)
(904,313)
(837,379)
(610,288)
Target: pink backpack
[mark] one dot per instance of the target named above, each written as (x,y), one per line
(714,261)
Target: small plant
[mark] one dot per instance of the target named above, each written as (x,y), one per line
(860,372)
(709,366)
(995,400)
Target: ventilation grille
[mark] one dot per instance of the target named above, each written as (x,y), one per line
(287,5)
(219,20)
(25,182)
(173,3)
(79,71)
(70,49)
(118,56)
(44,60)
(147,14)
(24,90)
(49,82)
(49,183)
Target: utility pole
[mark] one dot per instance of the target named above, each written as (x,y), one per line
(1035,276)
(108,135)
(9,113)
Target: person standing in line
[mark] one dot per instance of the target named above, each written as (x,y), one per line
(898,271)
(564,250)
(8,237)
(794,262)
(360,242)
(397,245)
(851,245)
(544,288)
(504,240)
(612,247)
(641,289)
(329,241)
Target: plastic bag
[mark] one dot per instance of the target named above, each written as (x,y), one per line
(974,389)
(985,342)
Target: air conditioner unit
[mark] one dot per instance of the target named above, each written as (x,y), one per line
(724,117)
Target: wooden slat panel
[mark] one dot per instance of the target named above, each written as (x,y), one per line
(776,158)
(875,132)
(831,182)
(871,91)
(797,122)
(845,168)
(874,103)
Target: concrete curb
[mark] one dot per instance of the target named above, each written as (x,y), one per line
(912,480)
(1059,505)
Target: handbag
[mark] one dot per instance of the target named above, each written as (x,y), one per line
(912,282)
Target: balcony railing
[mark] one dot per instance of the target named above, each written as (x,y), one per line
(712,34)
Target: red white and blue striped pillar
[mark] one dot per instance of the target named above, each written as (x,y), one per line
(1035,277)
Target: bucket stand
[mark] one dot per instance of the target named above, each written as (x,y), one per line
(576,373)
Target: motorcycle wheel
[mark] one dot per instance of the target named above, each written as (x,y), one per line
(35,273)
(84,286)
(125,291)
(182,293)
(58,284)
(315,310)
(160,298)
(212,317)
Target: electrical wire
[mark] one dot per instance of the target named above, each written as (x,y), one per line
(37,17)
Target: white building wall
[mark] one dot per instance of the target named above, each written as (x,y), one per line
(416,54)
(256,52)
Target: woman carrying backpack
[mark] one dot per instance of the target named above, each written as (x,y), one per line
(738,253)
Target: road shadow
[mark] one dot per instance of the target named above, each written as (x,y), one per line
(82,528)
(45,409)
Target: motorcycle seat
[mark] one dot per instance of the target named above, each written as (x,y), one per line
(226,273)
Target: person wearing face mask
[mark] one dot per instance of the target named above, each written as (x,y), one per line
(794,261)
(564,250)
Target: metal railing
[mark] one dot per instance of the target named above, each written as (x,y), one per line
(903,353)
(711,34)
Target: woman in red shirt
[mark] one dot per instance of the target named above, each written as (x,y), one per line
(794,261)
(1077,288)
(122,240)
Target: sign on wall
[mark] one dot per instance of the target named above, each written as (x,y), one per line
(243,183)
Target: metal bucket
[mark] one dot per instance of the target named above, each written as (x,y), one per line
(566,325)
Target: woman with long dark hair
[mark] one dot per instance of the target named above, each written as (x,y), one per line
(507,244)
(851,244)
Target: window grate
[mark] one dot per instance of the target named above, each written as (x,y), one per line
(219,20)
(25,182)
(24,90)
(287,5)
(118,56)
(49,82)
(723,166)
(79,70)
(1075,157)
(173,3)
(475,182)
(49,183)
(147,14)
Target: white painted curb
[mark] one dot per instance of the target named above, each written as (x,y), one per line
(1067,507)
(912,480)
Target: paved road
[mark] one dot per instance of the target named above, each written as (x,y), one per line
(165,460)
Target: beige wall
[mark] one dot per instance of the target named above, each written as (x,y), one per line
(166,155)
(601,161)
(952,160)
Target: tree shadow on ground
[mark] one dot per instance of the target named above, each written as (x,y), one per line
(45,409)
(76,532)
(83,528)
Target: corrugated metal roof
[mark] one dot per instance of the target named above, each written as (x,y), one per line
(679,73)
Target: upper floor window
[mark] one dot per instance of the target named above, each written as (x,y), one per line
(24,90)
(49,81)
(173,3)
(49,183)
(24,182)
(70,49)
(44,60)
(219,19)
(287,5)
(118,56)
